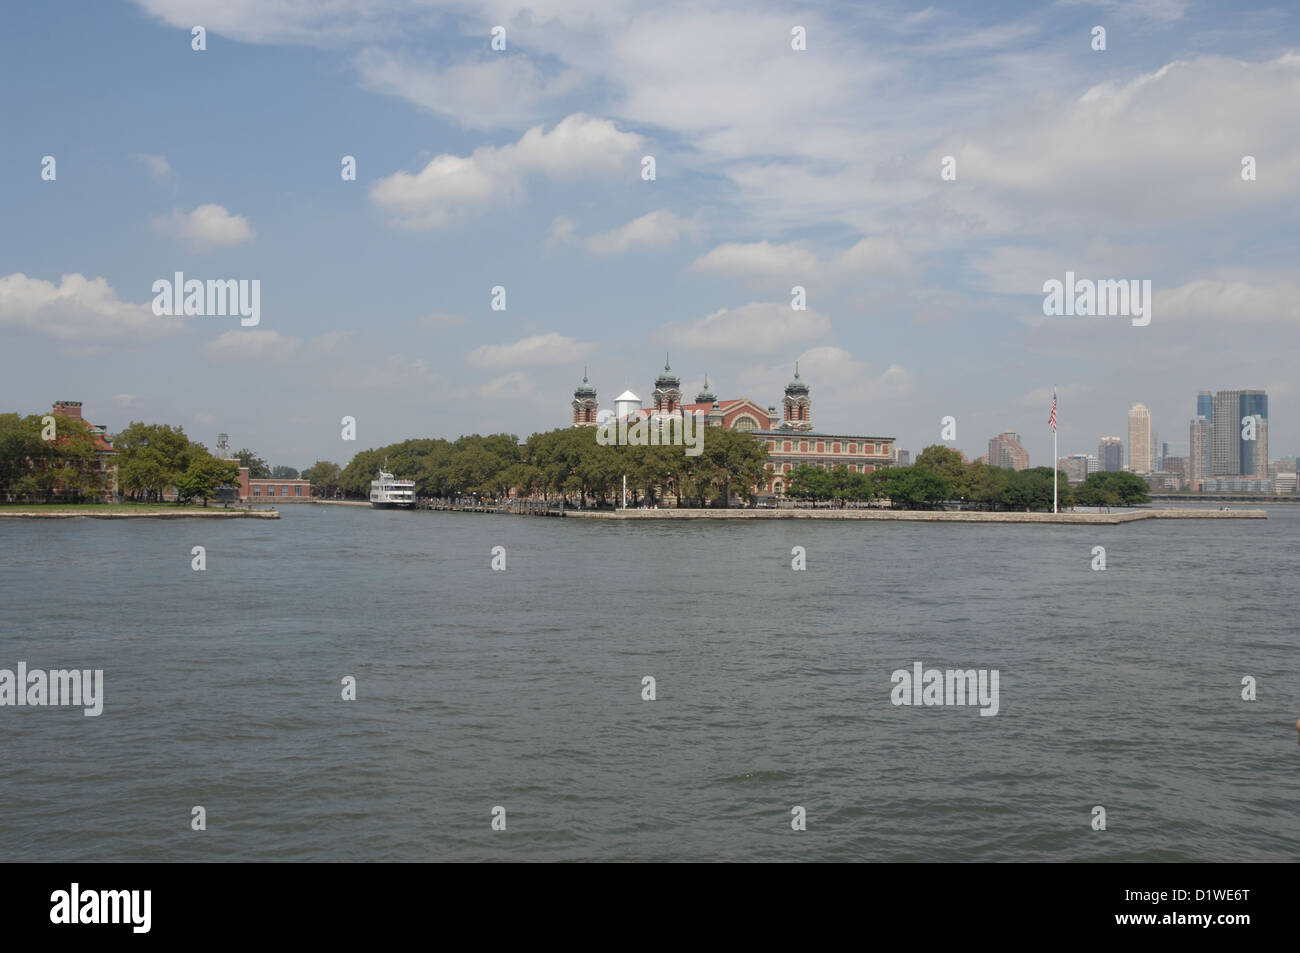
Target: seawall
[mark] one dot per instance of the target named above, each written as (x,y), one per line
(922,516)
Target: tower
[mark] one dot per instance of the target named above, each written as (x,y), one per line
(584,403)
(797,406)
(667,394)
(1139,439)
(706,396)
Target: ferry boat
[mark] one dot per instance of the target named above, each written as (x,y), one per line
(388,492)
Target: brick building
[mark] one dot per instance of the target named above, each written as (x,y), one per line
(105,455)
(789,436)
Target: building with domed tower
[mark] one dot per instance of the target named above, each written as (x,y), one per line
(584,403)
(790,438)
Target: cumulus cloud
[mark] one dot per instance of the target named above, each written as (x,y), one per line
(243,344)
(78,309)
(758,327)
(449,186)
(549,348)
(794,262)
(480,94)
(208,226)
(657,229)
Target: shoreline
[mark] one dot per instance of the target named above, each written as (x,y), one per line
(157,515)
(923,516)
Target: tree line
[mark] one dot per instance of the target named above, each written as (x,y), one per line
(940,475)
(564,464)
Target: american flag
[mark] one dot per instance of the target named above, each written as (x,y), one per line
(1052,419)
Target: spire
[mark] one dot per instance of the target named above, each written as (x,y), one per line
(706,396)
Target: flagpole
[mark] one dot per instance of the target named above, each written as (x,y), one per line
(1054,456)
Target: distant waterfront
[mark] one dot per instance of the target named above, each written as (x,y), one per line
(523,689)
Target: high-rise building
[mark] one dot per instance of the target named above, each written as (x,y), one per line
(1110,454)
(1075,468)
(1006,452)
(1205,405)
(1234,454)
(1258,450)
(1254,403)
(903,458)
(1139,439)
(1090,460)
(1226,434)
(1199,447)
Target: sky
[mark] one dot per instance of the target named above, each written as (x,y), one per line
(523,168)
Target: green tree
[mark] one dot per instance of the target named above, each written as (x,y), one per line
(257,468)
(283,473)
(324,476)
(203,475)
(151,457)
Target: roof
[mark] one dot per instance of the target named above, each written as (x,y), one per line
(802,434)
(628,395)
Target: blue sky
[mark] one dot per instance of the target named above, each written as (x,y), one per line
(521,168)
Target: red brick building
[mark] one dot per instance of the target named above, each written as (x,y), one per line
(790,438)
(104,453)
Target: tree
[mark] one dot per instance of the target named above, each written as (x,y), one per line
(257,468)
(151,457)
(1113,488)
(204,475)
(324,476)
(283,473)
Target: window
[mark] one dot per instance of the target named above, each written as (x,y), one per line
(257,489)
(284,490)
(297,489)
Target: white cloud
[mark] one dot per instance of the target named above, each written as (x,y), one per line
(208,226)
(449,186)
(79,309)
(515,385)
(758,327)
(158,166)
(242,345)
(657,229)
(795,262)
(549,348)
(481,94)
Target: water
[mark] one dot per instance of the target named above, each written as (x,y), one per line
(523,689)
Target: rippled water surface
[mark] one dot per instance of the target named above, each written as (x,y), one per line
(523,689)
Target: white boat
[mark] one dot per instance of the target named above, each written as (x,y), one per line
(388,492)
